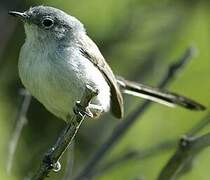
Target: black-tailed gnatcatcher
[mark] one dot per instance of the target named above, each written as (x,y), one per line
(58,60)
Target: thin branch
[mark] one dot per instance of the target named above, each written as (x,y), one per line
(122,128)
(70,163)
(188,148)
(199,126)
(137,155)
(20,122)
(51,158)
(151,151)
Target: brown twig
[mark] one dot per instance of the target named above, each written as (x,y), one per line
(51,158)
(122,128)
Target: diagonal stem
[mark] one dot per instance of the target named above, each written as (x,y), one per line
(20,122)
(189,147)
(51,158)
(122,128)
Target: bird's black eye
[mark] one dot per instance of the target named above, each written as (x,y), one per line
(47,22)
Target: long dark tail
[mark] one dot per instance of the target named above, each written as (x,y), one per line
(157,95)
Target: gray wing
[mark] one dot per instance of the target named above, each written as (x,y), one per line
(89,49)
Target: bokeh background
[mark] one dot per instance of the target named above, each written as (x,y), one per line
(139,39)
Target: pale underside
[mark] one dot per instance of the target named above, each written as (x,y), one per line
(58,81)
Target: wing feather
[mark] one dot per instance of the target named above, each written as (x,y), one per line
(89,49)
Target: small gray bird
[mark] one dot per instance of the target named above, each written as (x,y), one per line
(58,60)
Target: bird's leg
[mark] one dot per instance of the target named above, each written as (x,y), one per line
(92,111)
(78,109)
(96,110)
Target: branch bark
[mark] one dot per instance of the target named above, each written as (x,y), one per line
(122,128)
(152,150)
(51,158)
(188,148)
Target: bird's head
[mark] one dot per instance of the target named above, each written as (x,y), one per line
(47,23)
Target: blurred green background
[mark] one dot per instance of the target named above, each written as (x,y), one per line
(139,39)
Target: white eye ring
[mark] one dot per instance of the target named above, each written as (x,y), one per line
(47,22)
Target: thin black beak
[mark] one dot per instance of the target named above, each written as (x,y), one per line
(22,16)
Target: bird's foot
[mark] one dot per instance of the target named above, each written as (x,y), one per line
(78,109)
(96,110)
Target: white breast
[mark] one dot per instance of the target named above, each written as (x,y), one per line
(58,79)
